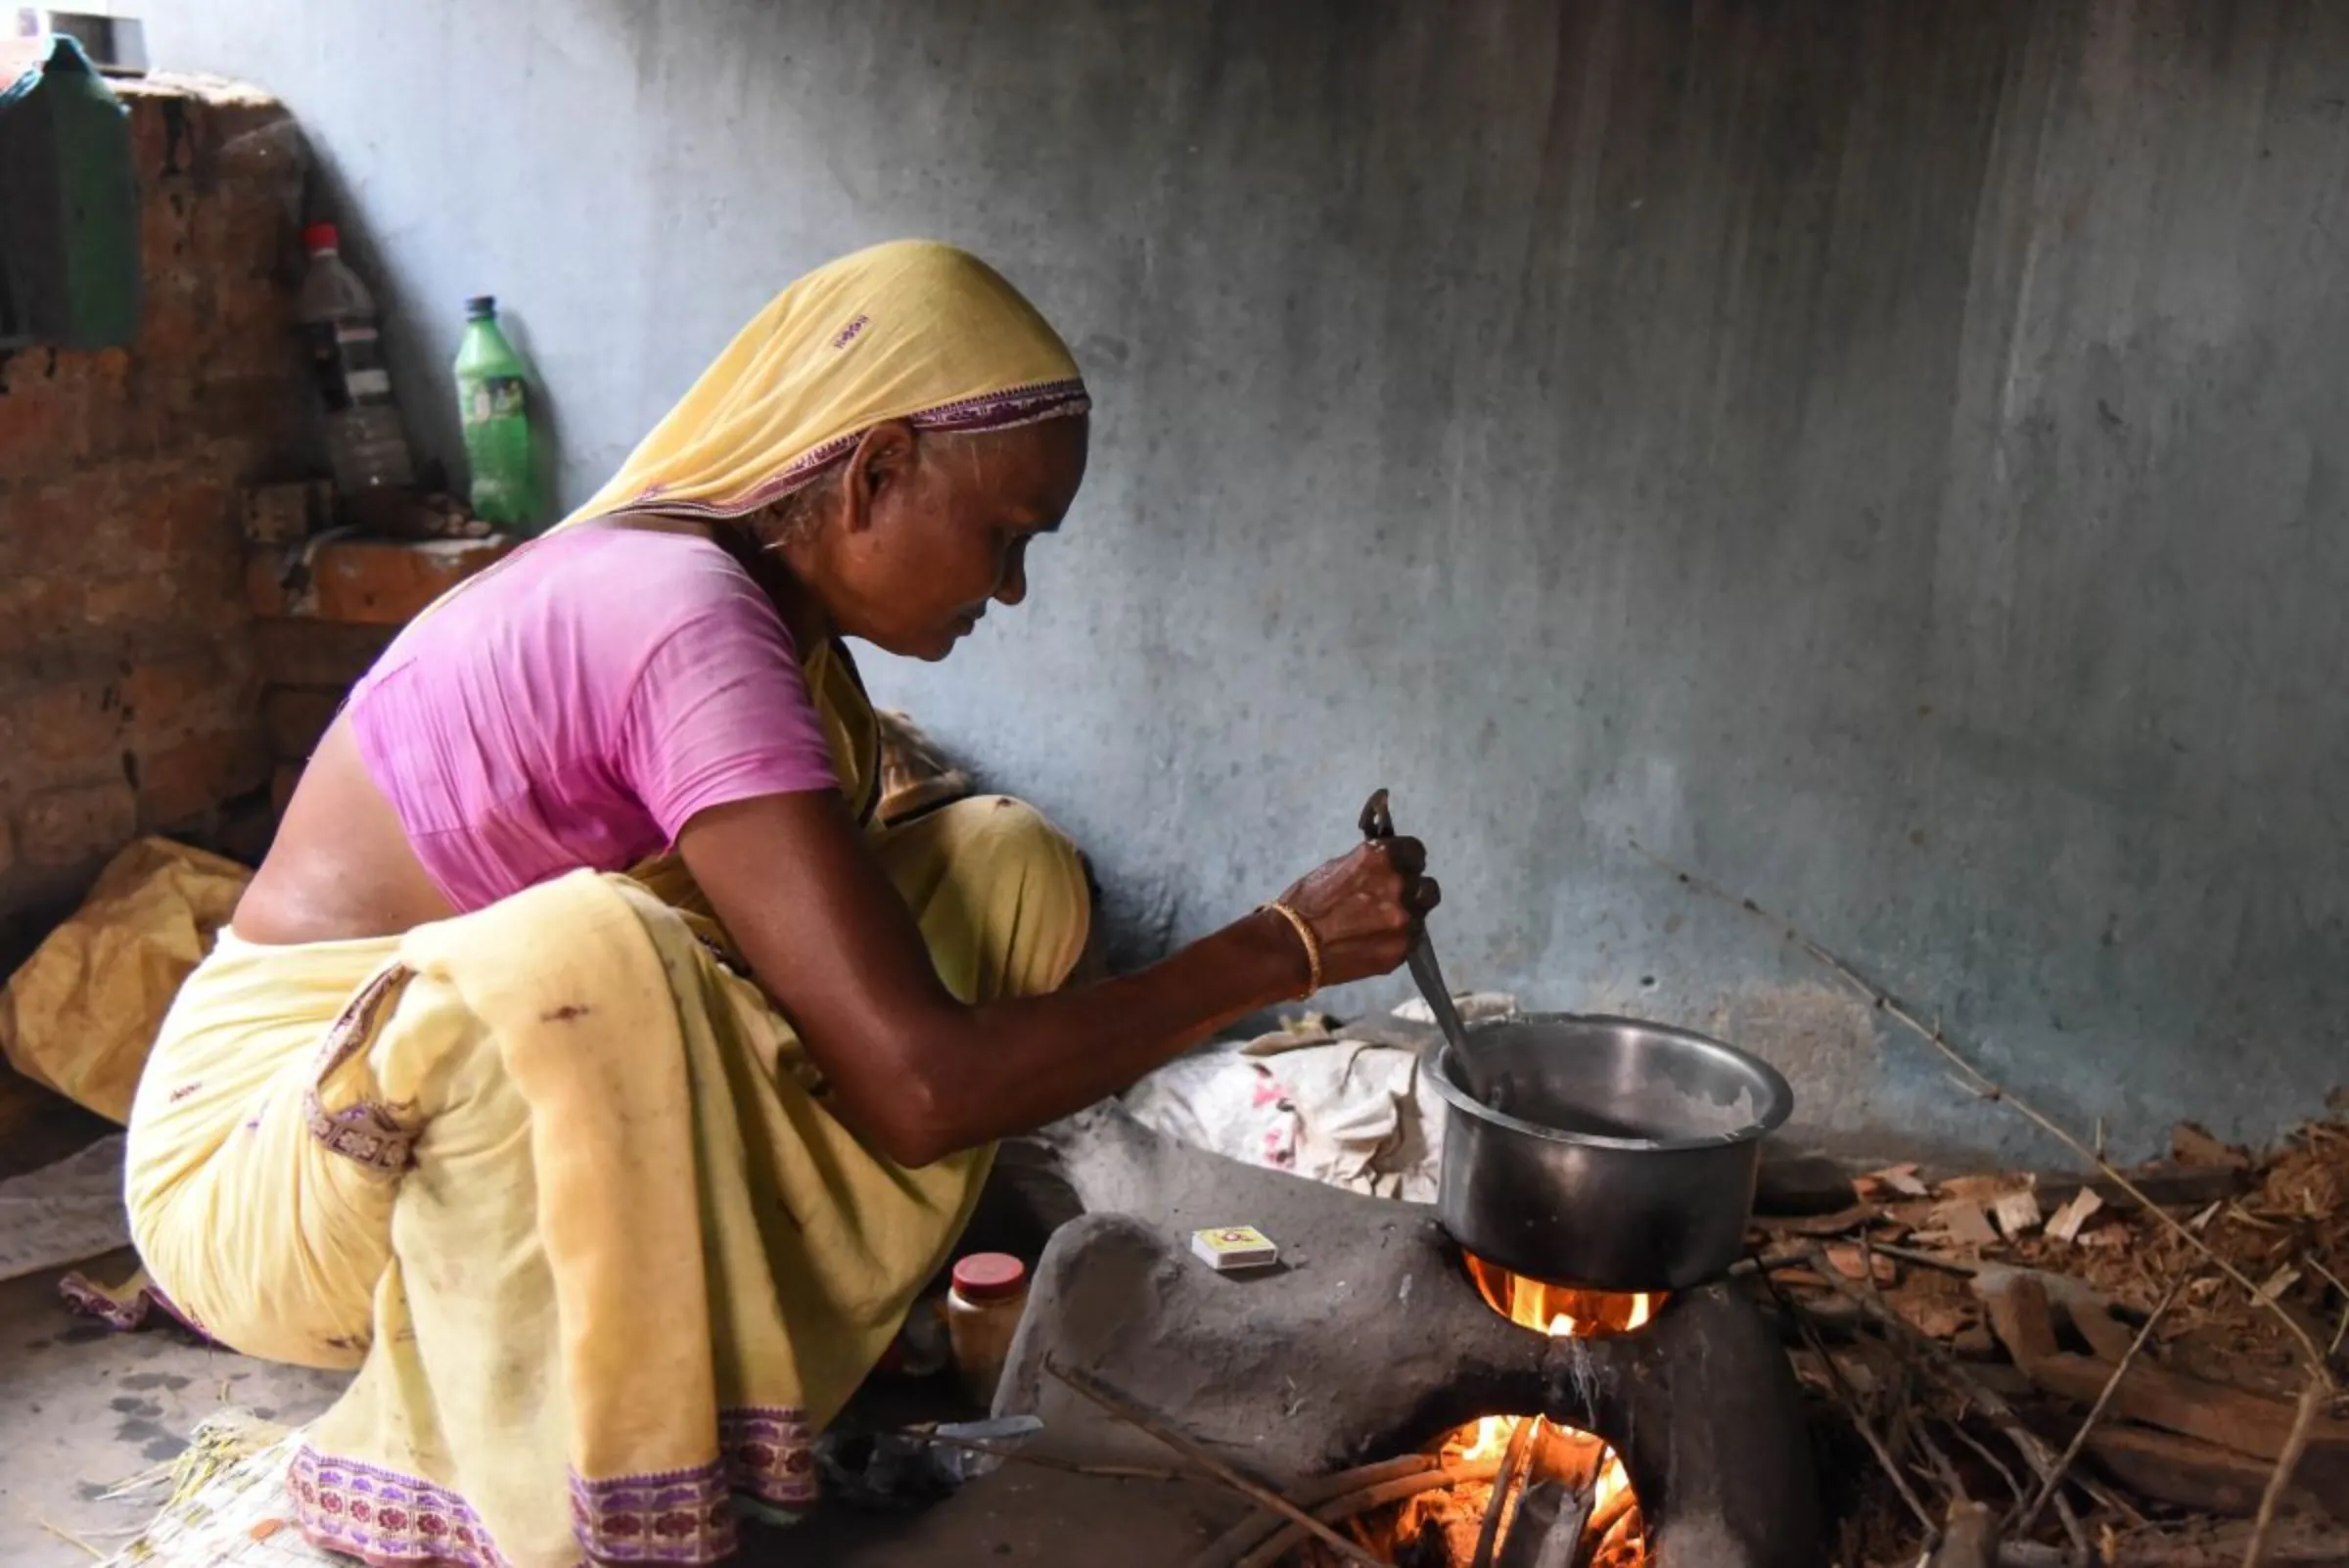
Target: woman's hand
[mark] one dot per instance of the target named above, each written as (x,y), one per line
(1364,907)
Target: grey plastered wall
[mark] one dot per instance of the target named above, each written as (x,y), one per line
(1886,456)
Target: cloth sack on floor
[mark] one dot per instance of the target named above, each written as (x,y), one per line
(81,1014)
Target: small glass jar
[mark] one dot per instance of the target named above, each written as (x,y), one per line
(983,1313)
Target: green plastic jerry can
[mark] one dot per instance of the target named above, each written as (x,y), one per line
(68,207)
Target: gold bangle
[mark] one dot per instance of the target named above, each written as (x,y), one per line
(1312,946)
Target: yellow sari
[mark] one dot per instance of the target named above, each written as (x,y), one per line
(553,1177)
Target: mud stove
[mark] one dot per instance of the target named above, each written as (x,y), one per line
(1372,1339)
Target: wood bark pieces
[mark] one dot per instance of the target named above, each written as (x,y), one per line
(2287,1472)
(1982,1190)
(2089,1312)
(2168,1185)
(2106,1335)
(2191,1144)
(2275,1285)
(1964,1223)
(1970,1538)
(1900,1180)
(2075,1301)
(2173,1186)
(1974,1384)
(2248,1423)
(2017,1212)
(1944,1318)
(2065,1226)
(2021,1318)
(2022,1520)
(1842,1223)
(2202,1476)
(1854,1264)
(1496,1507)
(1973,1343)
(2298,1542)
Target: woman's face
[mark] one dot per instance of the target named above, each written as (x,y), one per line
(930,529)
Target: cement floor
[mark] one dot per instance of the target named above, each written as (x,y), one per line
(85,1407)
(82,1408)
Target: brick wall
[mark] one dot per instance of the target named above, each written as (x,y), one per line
(324,615)
(129,694)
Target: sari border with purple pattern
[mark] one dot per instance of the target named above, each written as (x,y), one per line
(390,1520)
(124,1316)
(1008,409)
(366,1132)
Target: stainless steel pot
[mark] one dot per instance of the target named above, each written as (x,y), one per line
(1615,1155)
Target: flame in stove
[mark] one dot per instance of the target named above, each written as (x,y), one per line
(1561,1311)
(1611,1498)
(1613,1481)
(1489,1438)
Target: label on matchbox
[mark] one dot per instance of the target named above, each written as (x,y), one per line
(1230,1247)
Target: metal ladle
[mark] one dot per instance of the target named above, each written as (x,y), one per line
(1378,826)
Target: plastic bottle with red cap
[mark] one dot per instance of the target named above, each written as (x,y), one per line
(983,1312)
(365,444)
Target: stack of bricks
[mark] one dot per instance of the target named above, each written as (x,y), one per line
(155,669)
(128,701)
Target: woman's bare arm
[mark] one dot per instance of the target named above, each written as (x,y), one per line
(920,1074)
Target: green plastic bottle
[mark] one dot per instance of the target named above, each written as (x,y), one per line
(493,400)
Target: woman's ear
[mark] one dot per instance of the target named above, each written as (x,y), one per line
(882,461)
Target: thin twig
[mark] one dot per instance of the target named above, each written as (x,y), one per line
(69,1537)
(1605,1517)
(1868,1275)
(2342,1329)
(1620,1530)
(1970,1540)
(1942,1470)
(2027,1442)
(1928,1260)
(1273,1544)
(2295,1443)
(2029,1516)
(1768,1263)
(1990,1089)
(1250,1531)
(1124,1409)
(1868,1431)
(1982,1452)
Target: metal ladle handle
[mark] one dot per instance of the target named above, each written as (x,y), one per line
(1378,826)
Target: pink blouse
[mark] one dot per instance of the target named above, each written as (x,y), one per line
(579,705)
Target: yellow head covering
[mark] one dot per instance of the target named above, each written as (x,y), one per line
(911,329)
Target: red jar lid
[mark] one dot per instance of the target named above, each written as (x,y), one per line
(988,1276)
(320,237)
